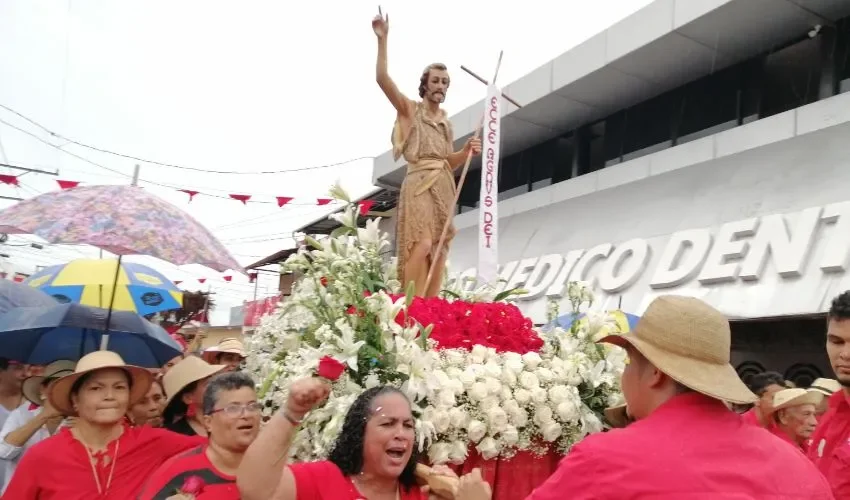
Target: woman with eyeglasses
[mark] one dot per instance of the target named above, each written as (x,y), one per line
(231,415)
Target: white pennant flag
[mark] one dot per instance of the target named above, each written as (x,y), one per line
(488,215)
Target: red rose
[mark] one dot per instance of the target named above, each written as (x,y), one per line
(330,368)
(323,281)
(193,485)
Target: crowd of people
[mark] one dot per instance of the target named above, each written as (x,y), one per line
(100,428)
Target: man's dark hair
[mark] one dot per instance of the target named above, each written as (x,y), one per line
(759,382)
(347,452)
(224,382)
(840,308)
(5,363)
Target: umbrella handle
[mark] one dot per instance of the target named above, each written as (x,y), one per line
(104,339)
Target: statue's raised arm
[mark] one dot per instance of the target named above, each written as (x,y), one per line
(403,105)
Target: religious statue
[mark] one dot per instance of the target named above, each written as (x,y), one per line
(423,134)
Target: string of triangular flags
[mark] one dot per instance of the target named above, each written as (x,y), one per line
(282,201)
(252,277)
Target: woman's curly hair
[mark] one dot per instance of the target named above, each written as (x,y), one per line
(347,453)
(426,73)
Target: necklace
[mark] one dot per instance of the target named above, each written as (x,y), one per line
(356,491)
(100,489)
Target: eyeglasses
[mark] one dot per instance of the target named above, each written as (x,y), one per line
(237,410)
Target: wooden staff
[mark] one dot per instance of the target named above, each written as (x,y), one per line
(485,82)
(450,218)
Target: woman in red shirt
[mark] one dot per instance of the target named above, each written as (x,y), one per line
(374,456)
(101,457)
(232,415)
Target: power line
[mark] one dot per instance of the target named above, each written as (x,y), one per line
(118,172)
(172,165)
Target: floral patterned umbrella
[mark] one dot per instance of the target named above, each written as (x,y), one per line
(123,220)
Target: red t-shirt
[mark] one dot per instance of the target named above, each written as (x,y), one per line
(324,481)
(691,447)
(830,448)
(59,467)
(170,477)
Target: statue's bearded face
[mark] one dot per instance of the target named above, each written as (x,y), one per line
(437,86)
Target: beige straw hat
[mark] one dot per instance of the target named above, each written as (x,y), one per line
(689,341)
(59,391)
(189,369)
(786,398)
(618,416)
(230,345)
(32,385)
(825,386)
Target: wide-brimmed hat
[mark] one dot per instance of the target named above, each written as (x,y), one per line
(786,398)
(59,391)
(618,416)
(825,386)
(189,369)
(228,345)
(32,385)
(690,342)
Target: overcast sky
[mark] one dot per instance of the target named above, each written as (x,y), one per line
(243,86)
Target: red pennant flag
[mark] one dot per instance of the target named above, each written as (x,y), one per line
(228,278)
(18,279)
(252,277)
(365,206)
(12,180)
(190,193)
(202,280)
(201,317)
(241,197)
(324,201)
(283,200)
(177,282)
(67,184)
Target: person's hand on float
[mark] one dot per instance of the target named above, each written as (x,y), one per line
(441,470)
(472,146)
(474,487)
(304,395)
(381,24)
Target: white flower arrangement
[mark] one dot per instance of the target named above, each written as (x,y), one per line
(496,402)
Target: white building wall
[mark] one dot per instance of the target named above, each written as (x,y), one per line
(779,165)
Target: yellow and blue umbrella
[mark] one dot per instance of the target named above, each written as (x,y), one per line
(139,289)
(625,321)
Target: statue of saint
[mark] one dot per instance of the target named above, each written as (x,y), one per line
(423,135)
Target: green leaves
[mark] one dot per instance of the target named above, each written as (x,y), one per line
(508,293)
(313,243)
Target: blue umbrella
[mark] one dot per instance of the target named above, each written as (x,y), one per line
(41,335)
(18,295)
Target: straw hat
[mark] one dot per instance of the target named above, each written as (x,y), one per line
(230,345)
(189,369)
(32,385)
(618,416)
(689,341)
(825,386)
(786,398)
(59,392)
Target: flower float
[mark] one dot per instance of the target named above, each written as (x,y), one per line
(479,375)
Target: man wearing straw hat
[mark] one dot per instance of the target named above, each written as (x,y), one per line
(794,415)
(685,442)
(229,352)
(827,387)
(32,423)
(830,448)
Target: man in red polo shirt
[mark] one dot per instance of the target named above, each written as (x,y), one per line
(793,416)
(830,448)
(764,385)
(685,443)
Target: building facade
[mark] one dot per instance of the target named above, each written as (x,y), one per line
(696,147)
